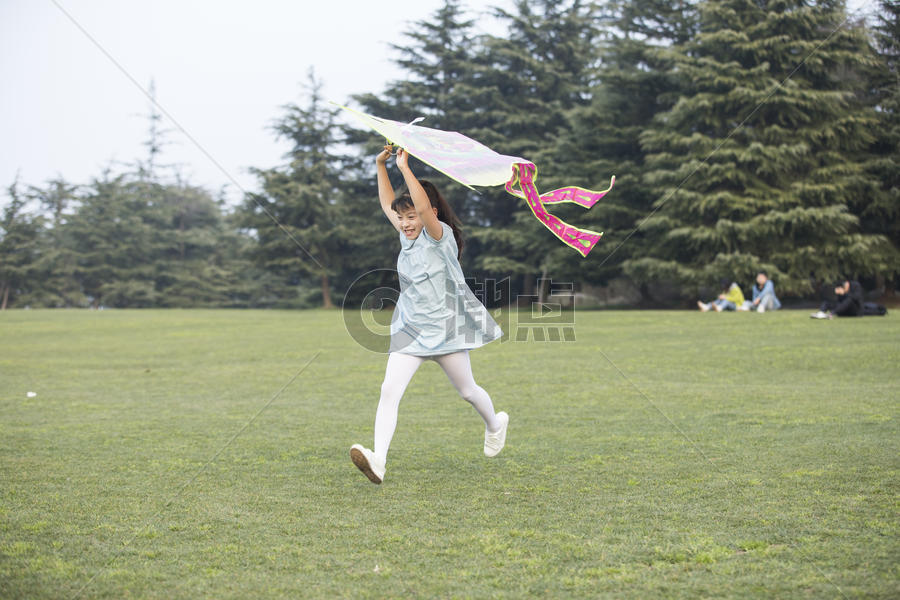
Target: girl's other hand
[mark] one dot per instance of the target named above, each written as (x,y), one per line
(382,158)
(402,159)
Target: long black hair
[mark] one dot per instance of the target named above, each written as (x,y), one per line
(445,213)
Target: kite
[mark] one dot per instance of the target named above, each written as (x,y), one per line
(472,163)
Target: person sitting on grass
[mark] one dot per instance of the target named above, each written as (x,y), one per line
(764,297)
(849,301)
(729,299)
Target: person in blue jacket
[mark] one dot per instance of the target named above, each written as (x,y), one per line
(764,297)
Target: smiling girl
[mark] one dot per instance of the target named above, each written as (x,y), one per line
(437,317)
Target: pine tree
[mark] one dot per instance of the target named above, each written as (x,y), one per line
(112,241)
(542,68)
(756,164)
(536,74)
(148,169)
(506,93)
(632,85)
(299,216)
(879,210)
(19,249)
(58,286)
(192,246)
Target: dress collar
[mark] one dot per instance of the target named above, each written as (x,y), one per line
(407,243)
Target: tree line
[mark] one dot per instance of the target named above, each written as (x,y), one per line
(744,134)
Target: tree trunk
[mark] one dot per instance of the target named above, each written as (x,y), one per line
(5,296)
(326,293)
(542,286)
(528,284)
(181,235)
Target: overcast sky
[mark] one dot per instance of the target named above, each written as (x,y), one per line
(222,70)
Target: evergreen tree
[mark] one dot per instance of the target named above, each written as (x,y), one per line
(148,169)
(19,249)
(193,246)
(541,69)
(507,94)
(299,217)
(243,282)
(56,267)
(112,241)
(757,162)
(633,83)
(537,73)
(879,210)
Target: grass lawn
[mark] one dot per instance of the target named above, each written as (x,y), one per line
(661,454)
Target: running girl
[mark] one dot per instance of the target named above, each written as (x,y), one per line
(437,317)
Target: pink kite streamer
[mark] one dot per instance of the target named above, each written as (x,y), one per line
(581,240)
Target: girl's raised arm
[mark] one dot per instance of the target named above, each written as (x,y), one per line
(419,197)
(385,191)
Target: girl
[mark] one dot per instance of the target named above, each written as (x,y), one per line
(437,317)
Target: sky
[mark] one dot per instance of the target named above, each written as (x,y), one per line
(222,69)
(75,74)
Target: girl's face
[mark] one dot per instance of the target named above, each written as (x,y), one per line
(410,223)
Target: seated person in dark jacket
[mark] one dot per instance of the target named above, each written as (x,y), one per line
(849,302)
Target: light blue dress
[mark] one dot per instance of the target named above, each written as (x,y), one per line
(436,312)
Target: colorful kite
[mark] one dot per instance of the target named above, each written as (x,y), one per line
(472,163)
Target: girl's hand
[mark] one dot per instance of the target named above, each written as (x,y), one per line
(402,159)
(382,158)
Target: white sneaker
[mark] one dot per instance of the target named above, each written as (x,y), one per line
(367,462)
(819,315)
(702,306)
(761,308)
(494,442)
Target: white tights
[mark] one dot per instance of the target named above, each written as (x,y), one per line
(400,369)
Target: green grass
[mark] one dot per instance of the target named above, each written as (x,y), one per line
(671,454)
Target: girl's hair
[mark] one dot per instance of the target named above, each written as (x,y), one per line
(724,284)
(445,213)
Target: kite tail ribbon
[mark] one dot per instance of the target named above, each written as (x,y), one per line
(581,240)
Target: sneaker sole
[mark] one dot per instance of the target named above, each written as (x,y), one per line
(359,459)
